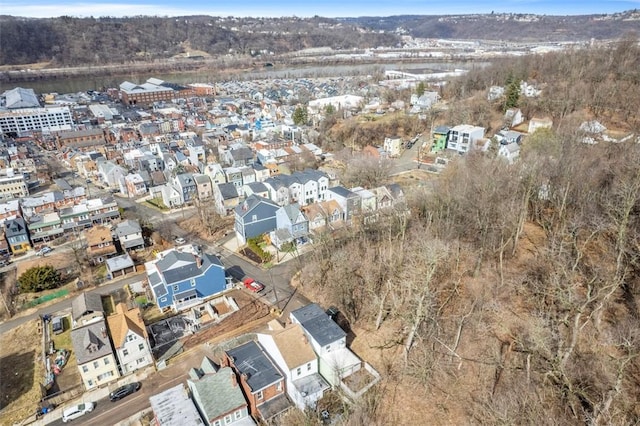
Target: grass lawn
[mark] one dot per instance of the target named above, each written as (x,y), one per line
(70,376)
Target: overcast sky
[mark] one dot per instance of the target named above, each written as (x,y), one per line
(327,8)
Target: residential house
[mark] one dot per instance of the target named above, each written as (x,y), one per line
(216,173)
(368,198)
(349,202)
(230,198)
(509,152)
(174,407)
(291,351)
(185,184)
(261,380)
(234,176)
(75,218)
(94,354)
(291,225)
(254,216)
(9,209)
(326,214)
(100,244)
(130,338)
(336,361)
(393,146)
(505,137)
(257,188)
(171,196)
(439,139)
(17,235)
(111,174)
(203,187)
(44,227)
(308,186)
(261,172)
(86,309)
(462,138)
(183,277)
(102,210)
(239,157)
(195,149)
(248,174)
(118,266)
(513,117)
(218,395)
(129,233)
(133,185)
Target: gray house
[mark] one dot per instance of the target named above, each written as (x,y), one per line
(129,233)
(292,225)
(218,395)
(349,201)
(185,184)
(255,216)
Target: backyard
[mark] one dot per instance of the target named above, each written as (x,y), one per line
(21,372)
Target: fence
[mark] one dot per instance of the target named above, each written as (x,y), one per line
(48,297)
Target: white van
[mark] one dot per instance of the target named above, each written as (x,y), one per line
(77,411)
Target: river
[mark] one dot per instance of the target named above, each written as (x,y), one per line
(85,83)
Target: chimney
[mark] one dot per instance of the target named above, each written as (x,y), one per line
(104,332)
(234,380)
(198,261)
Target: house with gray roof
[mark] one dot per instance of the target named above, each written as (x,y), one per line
(118,266)
(19,97)
(257,188)
(183,277)
(186,186)
(262,381)
(173,407)
(328,340)
(218,396)
(17,235)
(349,202)
(254,216)
(129,234)
(94,353)
(291,225)
(86,308)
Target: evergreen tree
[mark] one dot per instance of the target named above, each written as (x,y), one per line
(300,116)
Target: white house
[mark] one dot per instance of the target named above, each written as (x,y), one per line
(463,138)
(292,352)
(509,152)
(130,339)
(393,145)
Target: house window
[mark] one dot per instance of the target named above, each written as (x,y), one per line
(327,348)
(140,361)
(164,299)
(175,288)
(228,419)
(90,382)
(95,364)
(193,283)
(299,371)
(238,414)
(131,337)
(125,352)
(217,423)
(308,366)
(106,361)
(85,369)
(259,395)
(141,347)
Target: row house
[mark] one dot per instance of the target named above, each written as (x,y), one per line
(185,184)
(349,202)
(94,354)
(102,210)
(17,235)
(305,187)
(44,227)
(218,395)
(203,186)
(10,209)
(129,234)
(133,185)
(325,214)
(111,174)
(83,140)
(261,380)
(75,218)
(291,225)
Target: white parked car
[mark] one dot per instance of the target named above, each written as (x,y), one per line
(76,411)
(44,250)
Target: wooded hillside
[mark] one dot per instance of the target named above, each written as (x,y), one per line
(510,295)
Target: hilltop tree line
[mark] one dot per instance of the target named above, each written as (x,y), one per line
(69,41)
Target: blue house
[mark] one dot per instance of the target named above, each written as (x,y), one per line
(184,277)
(255,216)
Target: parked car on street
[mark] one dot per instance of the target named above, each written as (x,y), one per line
(123,391)
(179,240)
(76,411)
(253,285)
(44,250)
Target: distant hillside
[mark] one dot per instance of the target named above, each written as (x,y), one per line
(507,26)
(67,41)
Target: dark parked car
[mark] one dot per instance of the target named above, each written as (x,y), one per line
(123,391)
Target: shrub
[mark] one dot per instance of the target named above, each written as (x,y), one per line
(39,278)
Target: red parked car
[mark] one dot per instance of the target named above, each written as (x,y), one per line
(253,285)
